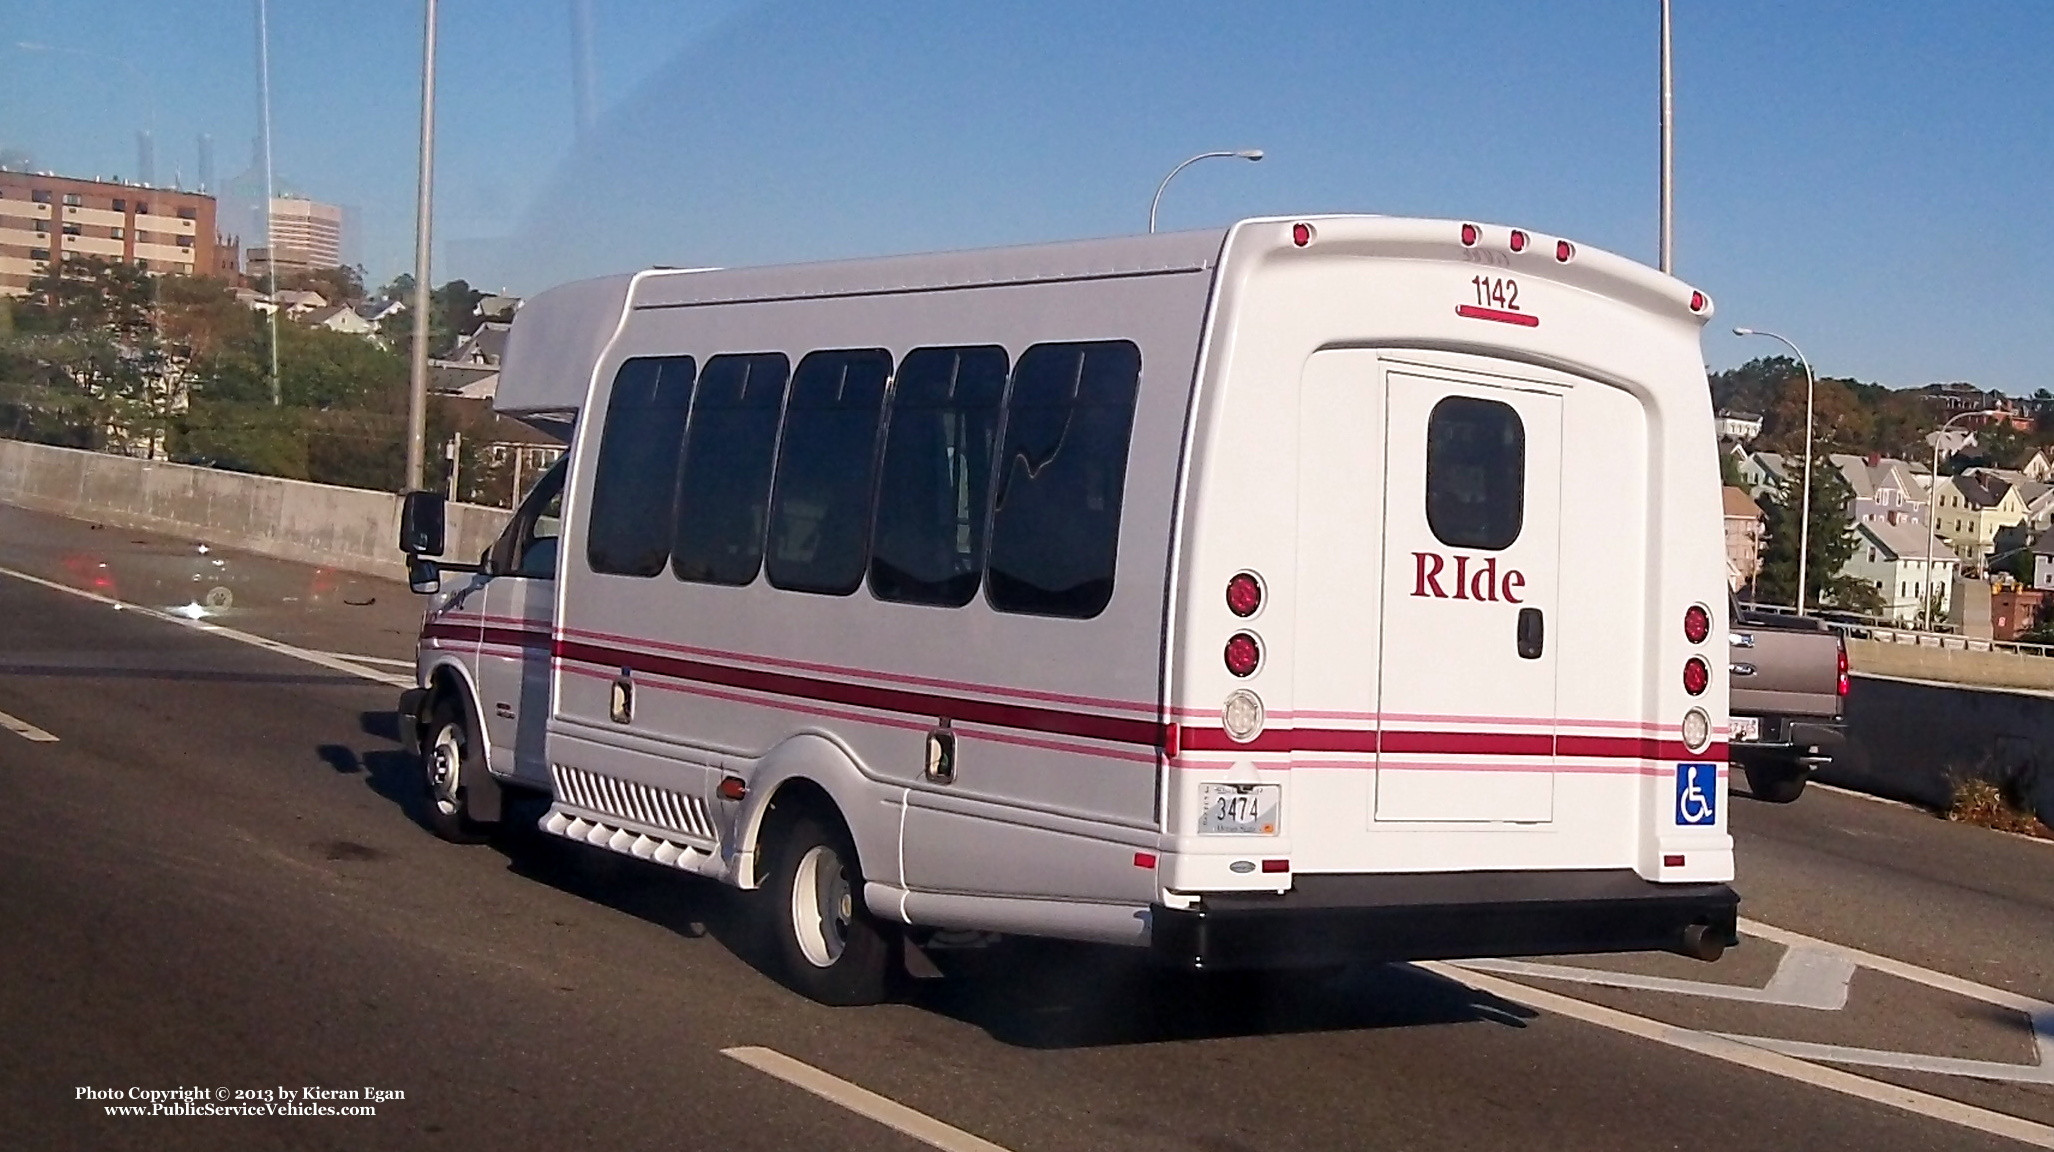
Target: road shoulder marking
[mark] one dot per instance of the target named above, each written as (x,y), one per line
(25,730)
(860,1100)
(332,662)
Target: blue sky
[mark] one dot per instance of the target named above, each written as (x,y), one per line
(1870,178)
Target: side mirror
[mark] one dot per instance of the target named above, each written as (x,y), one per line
(423,577)
(420,523)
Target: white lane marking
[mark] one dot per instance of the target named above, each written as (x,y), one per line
(25,730)
(2041,1073)
(1751,1055)
(352,657)
(862,1101)
(280,647)
(1806,977)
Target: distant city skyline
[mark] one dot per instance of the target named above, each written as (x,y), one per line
(1854,176)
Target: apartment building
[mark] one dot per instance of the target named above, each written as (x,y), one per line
(44,218)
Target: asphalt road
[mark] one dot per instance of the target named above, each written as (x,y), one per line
(214,877)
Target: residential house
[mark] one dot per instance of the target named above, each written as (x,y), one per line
(1893,558)
(1743,538)
(379,311)
(2041,466)
(1971,508)
(1885,488)
(471,370)
(1739,427)
(2042,552)
(2014,610)
(1766,473)
(1951,440)
(340,318)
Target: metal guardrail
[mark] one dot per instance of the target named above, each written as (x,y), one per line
(1892,631)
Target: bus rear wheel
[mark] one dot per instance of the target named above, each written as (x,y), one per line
(829,947)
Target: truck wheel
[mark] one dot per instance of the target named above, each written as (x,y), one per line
(1774,783)
(829,946)
(445,760)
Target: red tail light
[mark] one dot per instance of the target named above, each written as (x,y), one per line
(1843,668)
(1697,676)
(1244,594)
(1244,654)
(1697,624)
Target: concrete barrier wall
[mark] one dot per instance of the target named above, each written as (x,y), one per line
(1911,741)
(348,528)
(1952,665)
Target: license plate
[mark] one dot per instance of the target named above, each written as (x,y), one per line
(1239,809)
(1747,727)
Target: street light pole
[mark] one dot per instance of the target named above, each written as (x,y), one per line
(1666,254)
(1804,514)
(417,375)
(1933,510)
(1243,154)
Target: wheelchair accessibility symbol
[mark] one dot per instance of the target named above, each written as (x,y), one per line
(1697,790)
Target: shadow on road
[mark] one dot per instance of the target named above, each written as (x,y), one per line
(1023,992)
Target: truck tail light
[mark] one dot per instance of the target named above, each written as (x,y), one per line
(1244,654)
(1697,623)
(1697,676)
(1843,668)
(1244,594)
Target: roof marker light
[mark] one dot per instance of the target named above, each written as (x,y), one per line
(1469,235)
(1698,301)
(1301,234)
(1518,240)
(1565,251)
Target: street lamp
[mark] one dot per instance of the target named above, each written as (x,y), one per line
(417,368)
(1933,508)
(1244,154)
(1804,514)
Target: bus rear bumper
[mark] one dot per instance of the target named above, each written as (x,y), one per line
(1388,917)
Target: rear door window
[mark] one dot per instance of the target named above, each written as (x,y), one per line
(1055,523)
(1475,473)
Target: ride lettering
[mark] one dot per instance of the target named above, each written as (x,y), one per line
(1470,577)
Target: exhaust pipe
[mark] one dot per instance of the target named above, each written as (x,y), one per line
(1700,942)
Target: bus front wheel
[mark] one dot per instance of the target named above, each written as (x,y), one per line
(828,945)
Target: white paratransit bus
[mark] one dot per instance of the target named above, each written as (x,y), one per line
(1307,591)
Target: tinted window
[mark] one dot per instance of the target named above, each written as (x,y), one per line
(928,546)
(1055,522)
(826,463)
(638,464)
(1475,473)
(724,488)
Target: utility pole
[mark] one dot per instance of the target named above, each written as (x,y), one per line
(1666,251)
(417,376)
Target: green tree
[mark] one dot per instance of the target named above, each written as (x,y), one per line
(1832,543)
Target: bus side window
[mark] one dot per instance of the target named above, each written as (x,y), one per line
(1475,473)
(826,465)
(723,488)
(637,470)
(1055,523)
(928,545)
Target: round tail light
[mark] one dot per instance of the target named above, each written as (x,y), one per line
(1697,676)
(1697,623)
(1242,715)
(1244,594)
(1697,730)
(1244,654)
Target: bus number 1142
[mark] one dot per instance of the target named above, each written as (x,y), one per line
(1496,293)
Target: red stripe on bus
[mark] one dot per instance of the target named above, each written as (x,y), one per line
(1523,319)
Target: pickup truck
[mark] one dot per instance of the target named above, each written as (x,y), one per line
(1789,682)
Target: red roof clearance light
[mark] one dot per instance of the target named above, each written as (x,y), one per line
(1244,594)
(1697,676)
(1698,301)
(1301,234)
(1469,235)
(1697,623)
(1565,251)
(1518,240)
(1244,654)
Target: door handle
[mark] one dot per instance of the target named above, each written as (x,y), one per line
(1532,634)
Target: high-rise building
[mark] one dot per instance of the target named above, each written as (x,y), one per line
(305,234)
(46,218)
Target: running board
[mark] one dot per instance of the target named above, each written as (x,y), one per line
(640,845)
